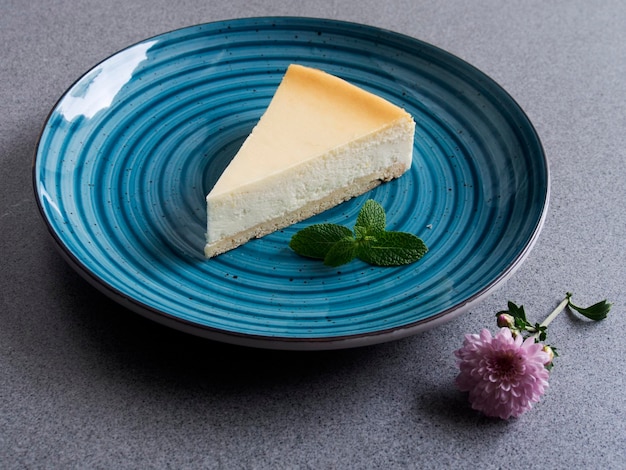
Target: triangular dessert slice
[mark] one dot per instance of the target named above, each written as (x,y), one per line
(320,142)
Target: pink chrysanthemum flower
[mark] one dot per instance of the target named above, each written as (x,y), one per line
(504,375)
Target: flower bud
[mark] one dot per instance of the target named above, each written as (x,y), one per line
(548,349)
(506,321)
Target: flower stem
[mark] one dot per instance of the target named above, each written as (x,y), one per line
(553,315)
(556,311)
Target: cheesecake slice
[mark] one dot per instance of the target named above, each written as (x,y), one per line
(320,142)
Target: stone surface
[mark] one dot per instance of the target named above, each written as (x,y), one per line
(87,384)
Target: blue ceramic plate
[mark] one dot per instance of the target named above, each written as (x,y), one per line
(132,148)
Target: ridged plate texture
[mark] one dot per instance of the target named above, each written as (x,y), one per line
(132,148)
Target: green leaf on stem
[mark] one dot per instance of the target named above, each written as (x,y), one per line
(596,312)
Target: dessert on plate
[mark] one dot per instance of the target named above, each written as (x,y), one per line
(320,142)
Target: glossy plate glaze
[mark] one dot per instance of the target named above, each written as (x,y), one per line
(132,148)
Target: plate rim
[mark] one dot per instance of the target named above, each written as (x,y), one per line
(286,342)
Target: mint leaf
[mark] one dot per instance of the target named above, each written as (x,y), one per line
(372,217)
(370,242)
(341,252)
(361,233)
(596,312)
(392,249)
(316,240)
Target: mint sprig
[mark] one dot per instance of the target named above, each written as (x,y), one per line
(368,241)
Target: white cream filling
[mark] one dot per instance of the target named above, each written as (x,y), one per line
(243,207)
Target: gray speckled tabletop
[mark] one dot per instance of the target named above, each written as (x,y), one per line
(85,383)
